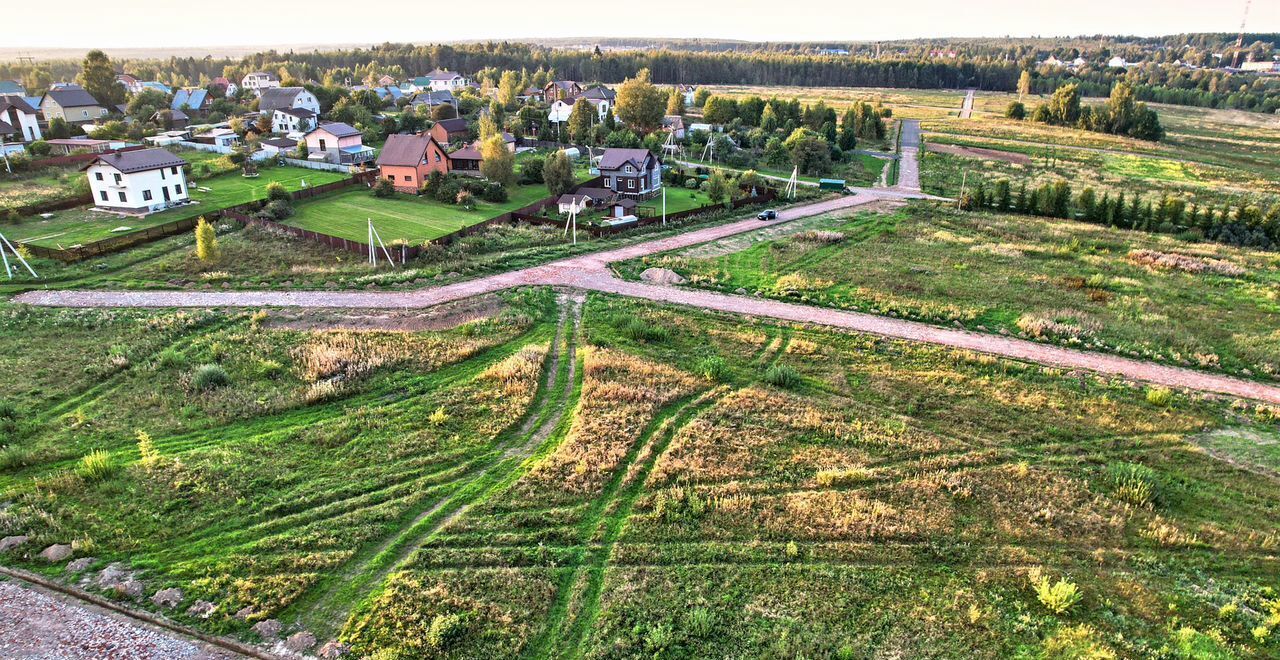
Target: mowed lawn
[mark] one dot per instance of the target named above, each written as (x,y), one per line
(402,217)
(85,225)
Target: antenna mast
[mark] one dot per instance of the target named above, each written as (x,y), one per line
(1235,61)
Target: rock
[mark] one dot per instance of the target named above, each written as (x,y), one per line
(300,641)
(331,285)
(202,609)
(80,565)
(455,274)
(56,553)
(286,284)
(10,542)
(333,650)
(130,588)
(244,613)
(267,628)
(662,276)
(113,573)
(167,598)
(740,291)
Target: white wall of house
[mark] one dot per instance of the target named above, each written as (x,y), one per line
(28,124)
(257,82)
(307,100)
(137,191)
(450,84)
(283,122)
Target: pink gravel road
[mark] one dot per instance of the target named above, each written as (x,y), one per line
(591,272)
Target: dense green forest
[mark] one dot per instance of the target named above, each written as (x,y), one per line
(994,65)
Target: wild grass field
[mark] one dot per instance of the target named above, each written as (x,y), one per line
(1155,297)
(527,476)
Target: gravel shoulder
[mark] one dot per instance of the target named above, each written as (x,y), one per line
(39,624)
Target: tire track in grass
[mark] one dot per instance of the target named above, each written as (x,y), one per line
(564,629)
(325,611)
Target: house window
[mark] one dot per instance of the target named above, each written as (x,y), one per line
(123,198)
(173,170)
(607,182)
(631,184)
(177,188)
(146,195)
(162,173)
(98,175)
(628,170)
(408,177)
(103,195)
(117,178)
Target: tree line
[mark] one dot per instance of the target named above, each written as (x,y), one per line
(1241,225)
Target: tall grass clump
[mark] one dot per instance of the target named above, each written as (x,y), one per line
(208,377)
(96,466)
(713,368)
(1133,483)
(147,450)
(638,329)
(1058,597)
(1159,396)
(782,375)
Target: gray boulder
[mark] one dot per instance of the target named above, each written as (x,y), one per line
(300,641)
(80,565)
(332,650)
(267,628)
(167,598)
(201,609)
(662,276)
(10,542)
(56,553)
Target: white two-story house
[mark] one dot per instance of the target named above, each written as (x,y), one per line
(258,81)
(140,181)
(292,120)
(22,117)
(281,98)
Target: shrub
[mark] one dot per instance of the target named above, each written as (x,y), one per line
(691,183)
(700,621)
(1159,396)
(96,466)
(494,192)
(445,629)
(1058,597)
(170,358)
(14,456)
(270,369)
(8,410)
(277,191)
(384,188)
(713,368)
(208,377)
(439,417)
(465,199)
(782,375)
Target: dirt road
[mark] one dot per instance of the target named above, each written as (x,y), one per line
(591,272)
(966,110)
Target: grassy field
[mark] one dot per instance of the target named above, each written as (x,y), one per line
(1215,154)
(905,103)
(406,218)
(1059,281)
(494,480)
(78,226)
(46,186)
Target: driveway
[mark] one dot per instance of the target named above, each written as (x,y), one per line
(909,156)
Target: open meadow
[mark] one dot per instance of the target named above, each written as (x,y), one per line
(1138,294)
(516,476)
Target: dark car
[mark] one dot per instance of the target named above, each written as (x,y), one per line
(767,214)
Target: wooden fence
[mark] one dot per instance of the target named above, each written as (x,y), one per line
(239,212)
(73,159)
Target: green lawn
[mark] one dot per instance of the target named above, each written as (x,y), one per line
(84,225)
(403,217)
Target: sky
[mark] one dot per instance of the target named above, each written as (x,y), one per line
(164,23)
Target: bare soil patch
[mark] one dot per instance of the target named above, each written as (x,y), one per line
(979,153)
(443,317)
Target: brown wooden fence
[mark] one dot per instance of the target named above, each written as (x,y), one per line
(239,212)
(73,159)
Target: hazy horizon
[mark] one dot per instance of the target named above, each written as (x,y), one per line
(154,24)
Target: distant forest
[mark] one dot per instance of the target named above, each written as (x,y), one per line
(986,64)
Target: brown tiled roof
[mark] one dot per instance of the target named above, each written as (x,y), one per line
(404,150)
(456,125)
(469,152)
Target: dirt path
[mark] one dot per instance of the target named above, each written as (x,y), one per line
(966,110)
(591,272)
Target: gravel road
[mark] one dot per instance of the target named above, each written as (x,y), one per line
(35,624)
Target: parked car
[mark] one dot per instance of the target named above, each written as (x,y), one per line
(767,214)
